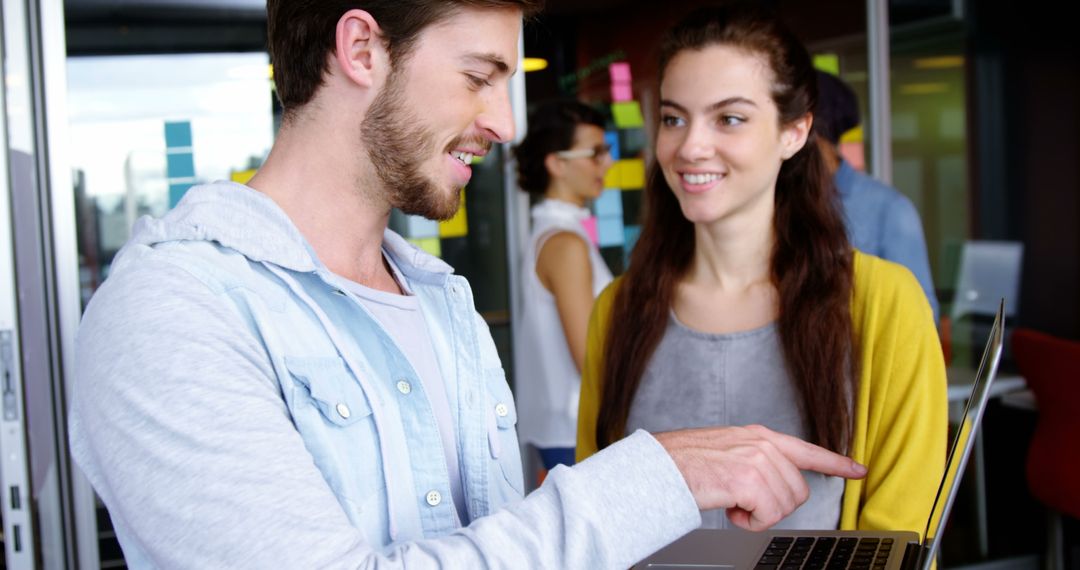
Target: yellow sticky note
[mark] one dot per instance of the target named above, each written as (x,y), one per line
(627,115)
(631,173)
(611,179)
(458,226)
(242,176)
(431,245)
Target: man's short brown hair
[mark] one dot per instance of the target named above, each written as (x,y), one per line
(302,32)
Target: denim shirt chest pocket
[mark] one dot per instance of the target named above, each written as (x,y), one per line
(334,418)
(502,437)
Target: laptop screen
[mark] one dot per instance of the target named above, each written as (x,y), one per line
(965,438)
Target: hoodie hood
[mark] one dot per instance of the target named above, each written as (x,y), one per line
(245,220)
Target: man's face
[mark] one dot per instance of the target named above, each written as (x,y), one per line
(447,101)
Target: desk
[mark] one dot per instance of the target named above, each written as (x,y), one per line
(961,379)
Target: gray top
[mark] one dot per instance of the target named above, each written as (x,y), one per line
(696,379)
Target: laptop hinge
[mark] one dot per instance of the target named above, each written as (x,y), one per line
(913,556)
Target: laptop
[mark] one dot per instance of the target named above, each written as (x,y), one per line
(711,549)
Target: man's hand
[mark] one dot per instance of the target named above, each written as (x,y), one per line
(752,471)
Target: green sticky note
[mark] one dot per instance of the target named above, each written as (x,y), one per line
(827,62)
(627,115)
(430,245)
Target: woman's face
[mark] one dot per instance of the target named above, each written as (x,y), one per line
(720,145)
(584,175)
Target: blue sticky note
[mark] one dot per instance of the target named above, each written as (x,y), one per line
(180,165)
(610,230)
(612,139)
(177,191)
(609,204)
(630,236)
(631,233)
(178,134)
(417,227)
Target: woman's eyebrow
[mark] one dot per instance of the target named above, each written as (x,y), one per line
(738,100)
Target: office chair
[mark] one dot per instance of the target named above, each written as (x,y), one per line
(1051,367)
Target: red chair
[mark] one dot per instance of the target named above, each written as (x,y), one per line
(1051,367)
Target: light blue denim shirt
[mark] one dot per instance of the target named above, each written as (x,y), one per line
(234,408)
(883,222)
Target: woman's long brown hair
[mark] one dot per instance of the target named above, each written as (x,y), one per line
(811,266)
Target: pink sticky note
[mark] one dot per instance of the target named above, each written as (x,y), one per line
(590,228)
(621,92)
(620,72)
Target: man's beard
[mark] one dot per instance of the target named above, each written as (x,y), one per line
(397,146)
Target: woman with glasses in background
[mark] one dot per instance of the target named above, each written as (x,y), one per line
(562,162)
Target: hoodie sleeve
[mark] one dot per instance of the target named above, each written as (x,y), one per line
(178,422)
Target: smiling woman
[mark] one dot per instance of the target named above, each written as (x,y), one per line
(744,303)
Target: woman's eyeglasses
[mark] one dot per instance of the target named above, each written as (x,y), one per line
(598,153)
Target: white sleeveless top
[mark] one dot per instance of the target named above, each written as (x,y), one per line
(547,383)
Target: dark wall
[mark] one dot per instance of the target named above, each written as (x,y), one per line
(1026,106)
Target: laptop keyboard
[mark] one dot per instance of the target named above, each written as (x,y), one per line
(825,553)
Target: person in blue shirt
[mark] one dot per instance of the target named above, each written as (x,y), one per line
(880,220)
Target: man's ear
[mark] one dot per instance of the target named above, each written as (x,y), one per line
(359,50)
(793,136)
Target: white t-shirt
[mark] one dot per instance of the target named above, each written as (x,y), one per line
(403,319)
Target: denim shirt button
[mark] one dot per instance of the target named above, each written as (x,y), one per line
(404,387)
(434,498)
(343,411)
(502,410)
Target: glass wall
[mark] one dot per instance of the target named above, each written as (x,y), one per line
(121,109)
(929,129)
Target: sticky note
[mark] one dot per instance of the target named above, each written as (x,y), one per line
(180,164)
(418,227)
(611,178)
(620,72)
(612,139)
(458,226)
(242,176)
(431,245)
(178,134)
(590,228)
(176,192)
(611,231)
(608,204)
(627,114)
(621,92)
(630,236)
(628,174)
(827,62)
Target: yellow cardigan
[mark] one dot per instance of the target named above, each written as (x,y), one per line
(901,414)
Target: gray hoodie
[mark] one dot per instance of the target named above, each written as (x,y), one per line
(233,408)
